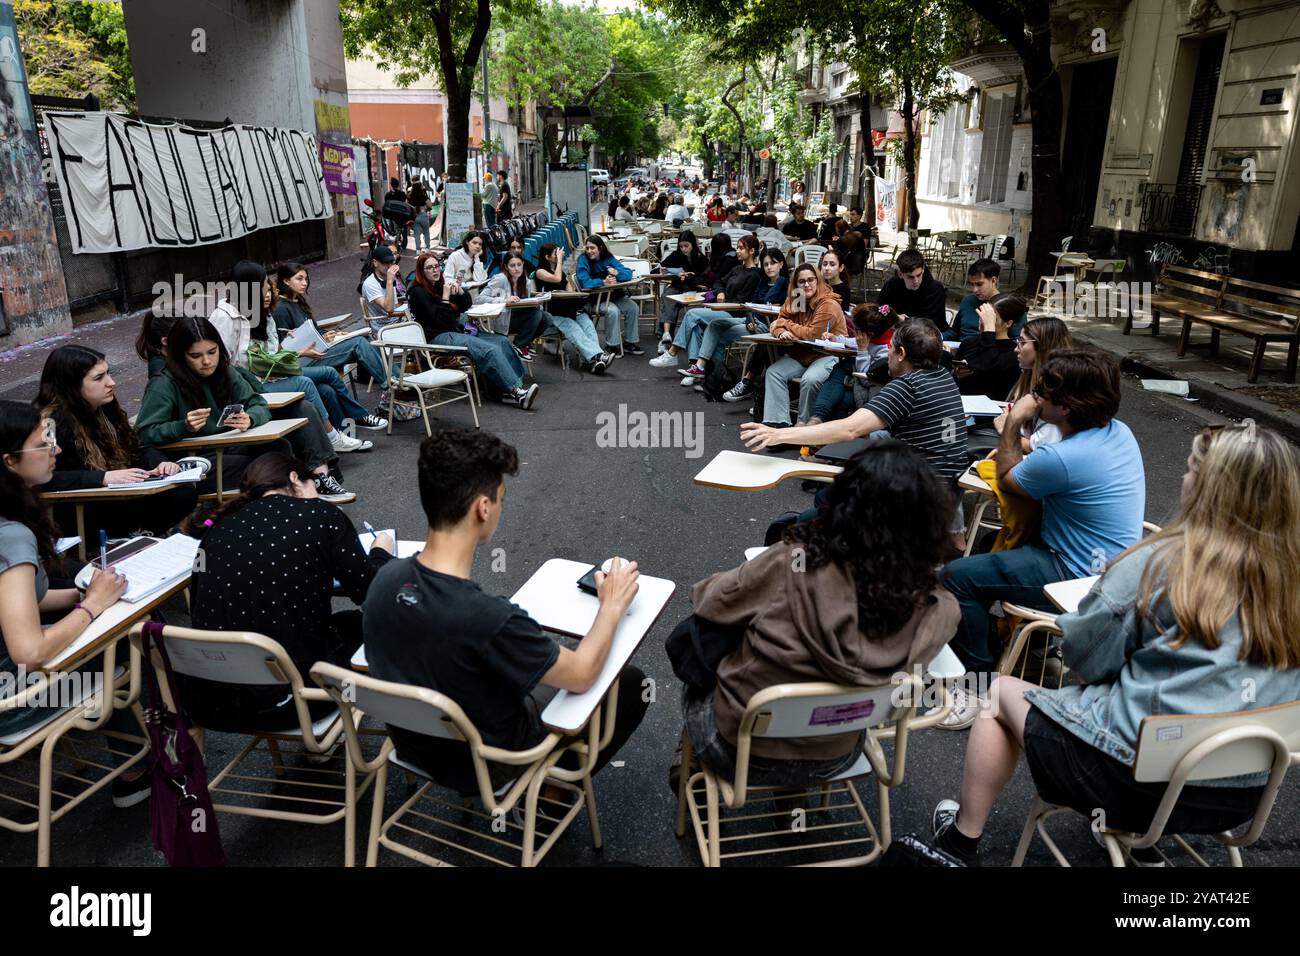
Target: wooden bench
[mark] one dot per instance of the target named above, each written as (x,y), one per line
(1183,292)
(1262,312)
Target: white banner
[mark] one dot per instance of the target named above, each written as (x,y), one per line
(132,185)
(886,203)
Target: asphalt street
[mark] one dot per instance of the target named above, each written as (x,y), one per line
(574,499)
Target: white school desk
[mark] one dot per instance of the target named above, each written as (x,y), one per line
(109,626)
(690,301)
(277,400)
(762,308)
(552,598)
(333,320)
(271,431)
(80,497)
(1066,595)
(774,344)
(741,471)
(640,267)
(970,481)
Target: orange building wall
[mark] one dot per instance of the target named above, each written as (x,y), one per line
(409,122)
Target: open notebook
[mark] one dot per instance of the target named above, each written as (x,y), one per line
(149,568)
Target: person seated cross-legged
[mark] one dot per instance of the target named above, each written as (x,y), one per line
(1178,624)
(427,624)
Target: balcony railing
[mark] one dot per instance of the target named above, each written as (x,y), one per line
(1169,208)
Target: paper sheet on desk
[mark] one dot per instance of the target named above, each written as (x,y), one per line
(981,405)
(405,549)
(154,568)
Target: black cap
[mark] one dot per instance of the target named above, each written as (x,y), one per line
(383,254)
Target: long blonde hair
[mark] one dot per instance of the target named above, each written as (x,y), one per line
(1234,547)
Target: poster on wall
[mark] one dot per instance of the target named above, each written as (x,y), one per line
(337,167)
(459,211)
(132,185)
(361,164)
(423,162)
(886,203)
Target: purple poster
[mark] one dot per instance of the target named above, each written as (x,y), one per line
(336,164)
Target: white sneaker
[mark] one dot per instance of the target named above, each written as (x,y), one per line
(343,444)
(688,381)
(667,360)
(965,708)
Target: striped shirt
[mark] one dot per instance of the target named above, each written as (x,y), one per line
(923,408)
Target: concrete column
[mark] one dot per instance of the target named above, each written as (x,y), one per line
(263,62)
(32,292)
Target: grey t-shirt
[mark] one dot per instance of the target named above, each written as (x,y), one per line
(18,546)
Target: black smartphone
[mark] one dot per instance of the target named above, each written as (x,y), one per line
(588,581)
(235,409)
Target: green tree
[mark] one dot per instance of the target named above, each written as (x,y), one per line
(796,145)
(76,48)
(417,37)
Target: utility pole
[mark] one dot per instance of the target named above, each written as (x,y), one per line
(487,113)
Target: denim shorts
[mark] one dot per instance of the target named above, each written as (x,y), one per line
(719,754)
(1069,772)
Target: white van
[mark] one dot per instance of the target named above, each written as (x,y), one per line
(599,177)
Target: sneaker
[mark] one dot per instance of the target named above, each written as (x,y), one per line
(739,392)
(127,793)
(965,708)
(525,354)
(608,358)
(688,381)
(695,371)
(662,347)
(597,365)
(344,444)
(329,489)
(698,387)
(633,348)
(944,816)
(666,360)
(530,396)
(372,422)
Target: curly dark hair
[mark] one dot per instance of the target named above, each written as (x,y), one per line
(456,466)
(18,502)
(886,520)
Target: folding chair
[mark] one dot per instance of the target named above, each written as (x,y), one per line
(1180,749)
(397,342)
(260,780)
(795,711)
(425,711)
(67,757)
(809,254)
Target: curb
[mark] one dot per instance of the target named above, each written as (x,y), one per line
(1209,395)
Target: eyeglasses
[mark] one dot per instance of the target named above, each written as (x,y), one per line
(808,280)
(1024,340)
(48,443)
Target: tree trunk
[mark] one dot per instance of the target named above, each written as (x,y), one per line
(457,138)
(458,79)
(909,161)
(868,163)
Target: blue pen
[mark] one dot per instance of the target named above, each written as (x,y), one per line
(371,528)
(103,549)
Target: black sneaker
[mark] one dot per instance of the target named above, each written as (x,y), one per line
(127,793)
(529,396)
(597,365)
(632,348)
(372,422)
(329,489)
(739,392)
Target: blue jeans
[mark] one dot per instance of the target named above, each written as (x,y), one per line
(776,394)
(1017,576)
(690,334)
(835,399)
(301,383)
(579,331)
(489,216)
(352,350)
(422,230)
(723,329)
(630,311)
(493,356)
(527,324)
(334,392)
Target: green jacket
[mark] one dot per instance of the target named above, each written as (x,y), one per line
(163,409)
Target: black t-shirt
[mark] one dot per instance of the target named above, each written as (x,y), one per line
(928,299)
(845,293)
(443,632)
(504,205)
(800,230)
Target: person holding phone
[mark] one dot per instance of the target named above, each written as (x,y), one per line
(98,448)
(568,315)
(429,625)
(597,267)
(693,263)
(190,394)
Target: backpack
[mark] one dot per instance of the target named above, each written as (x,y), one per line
(717,380)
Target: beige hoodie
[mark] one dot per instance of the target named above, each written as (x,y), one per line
(802,626)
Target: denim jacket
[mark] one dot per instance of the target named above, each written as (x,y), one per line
(1129,670)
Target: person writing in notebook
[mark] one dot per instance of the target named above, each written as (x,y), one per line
(427,624)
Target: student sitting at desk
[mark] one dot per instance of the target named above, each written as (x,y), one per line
(723,328)
(912,292)
(508,286)
(982,277)
(28,451)
(98,448)
(271,557)
(428,624)
(566,314)
(1093,489)
(1038,340)
(843,394)
(1179,623)
(693,264)
(833,275)
(811,311)
(195,387)
(310,442)
(859,602)
(438,305)
(597,267)
(987,364)
(467,266)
